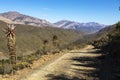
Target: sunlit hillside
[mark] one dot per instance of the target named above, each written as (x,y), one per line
(30,38)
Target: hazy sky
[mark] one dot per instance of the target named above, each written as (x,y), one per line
(101,11)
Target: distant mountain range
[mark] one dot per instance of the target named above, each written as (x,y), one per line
(85,27)
(18,18)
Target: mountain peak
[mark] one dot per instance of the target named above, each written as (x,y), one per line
(10,13)
(65,21)
(14,12)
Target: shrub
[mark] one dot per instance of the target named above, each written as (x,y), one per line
(5,67)
(21,65)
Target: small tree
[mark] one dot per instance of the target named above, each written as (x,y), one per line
(56,44)
(55,41)
(45,47)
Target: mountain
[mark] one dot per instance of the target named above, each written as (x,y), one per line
(19,18)
(85,27)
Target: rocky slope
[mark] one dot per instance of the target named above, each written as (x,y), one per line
(5,20)
(19,18)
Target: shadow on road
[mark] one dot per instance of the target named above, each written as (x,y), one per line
(84,68)
(89,67)
(62,77)
(90,51)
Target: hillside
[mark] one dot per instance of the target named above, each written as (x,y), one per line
(30,38)
(90,27)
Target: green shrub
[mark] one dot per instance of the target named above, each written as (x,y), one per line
(5,67)
(21,65)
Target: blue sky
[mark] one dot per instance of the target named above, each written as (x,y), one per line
(101,11)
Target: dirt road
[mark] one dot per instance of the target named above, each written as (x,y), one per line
(74,65)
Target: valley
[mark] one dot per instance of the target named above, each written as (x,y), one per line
(36,49)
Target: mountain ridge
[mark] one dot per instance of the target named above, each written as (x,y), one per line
(19,18)
(87,27)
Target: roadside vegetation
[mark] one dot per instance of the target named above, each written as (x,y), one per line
(110,47)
